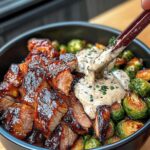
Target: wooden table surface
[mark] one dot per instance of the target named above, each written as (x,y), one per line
(120,17)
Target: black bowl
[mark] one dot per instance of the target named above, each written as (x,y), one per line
(16,50)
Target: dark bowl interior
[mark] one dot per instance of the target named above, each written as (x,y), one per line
(16,50)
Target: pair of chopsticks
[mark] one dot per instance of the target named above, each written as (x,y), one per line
(132,31)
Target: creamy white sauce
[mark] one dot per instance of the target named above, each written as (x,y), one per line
(92,91)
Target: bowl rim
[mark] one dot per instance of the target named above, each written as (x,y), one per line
(4,48)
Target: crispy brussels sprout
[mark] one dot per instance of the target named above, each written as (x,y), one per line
(127,55)
(127,127)
(75,45)
(55,44)
(148,104)
(134,106)
(112,140)
(117,112)
(78,145)
(133,66)
(144,74)
(92,143)
(140,87)
(111,130)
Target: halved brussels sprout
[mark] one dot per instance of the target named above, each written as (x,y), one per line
(148,104)
(127,55)
(133,66)
(117,112)
(78,145)
(127,127)
(92,143)
(140,87)
(75,45)
(112,140)
(111,130)
(131,71)
(144,74)
(134,106)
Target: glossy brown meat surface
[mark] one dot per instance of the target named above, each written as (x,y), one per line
(49,111)
(36,99)
(79,113)
(14,75)
(101,123)
(5,102)
(36,138)
(18,120)
(72,122)
(8,89)
(70,60)
(44,46)
(62,138)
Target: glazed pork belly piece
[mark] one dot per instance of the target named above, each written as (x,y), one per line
(36,138)
(72,122)
(12,80)
(50,109)
(79,113)
(18,120)
(42,46)
(70,60)
(60,76)
(5,102)
(62,138)
(8,89)
(32,81)
(101,123)
(14,75)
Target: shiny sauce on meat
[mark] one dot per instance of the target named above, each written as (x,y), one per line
(93,91)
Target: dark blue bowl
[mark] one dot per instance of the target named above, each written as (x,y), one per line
(16,50)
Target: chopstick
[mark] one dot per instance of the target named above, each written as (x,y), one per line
(132,31)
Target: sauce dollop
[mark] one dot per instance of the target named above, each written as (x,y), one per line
(93,91)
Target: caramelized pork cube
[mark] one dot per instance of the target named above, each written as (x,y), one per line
(8,89)
(5,102)
(36,138)
(44,46)
(70,60)
(60,76)
(71,121)
(23,68)
(53,142)
(101,123)
(18,120)
(68,137)
(62,138)
(14,76)
(32,82)
(49,111)
(79,113)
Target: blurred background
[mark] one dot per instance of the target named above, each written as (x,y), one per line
(18,16)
